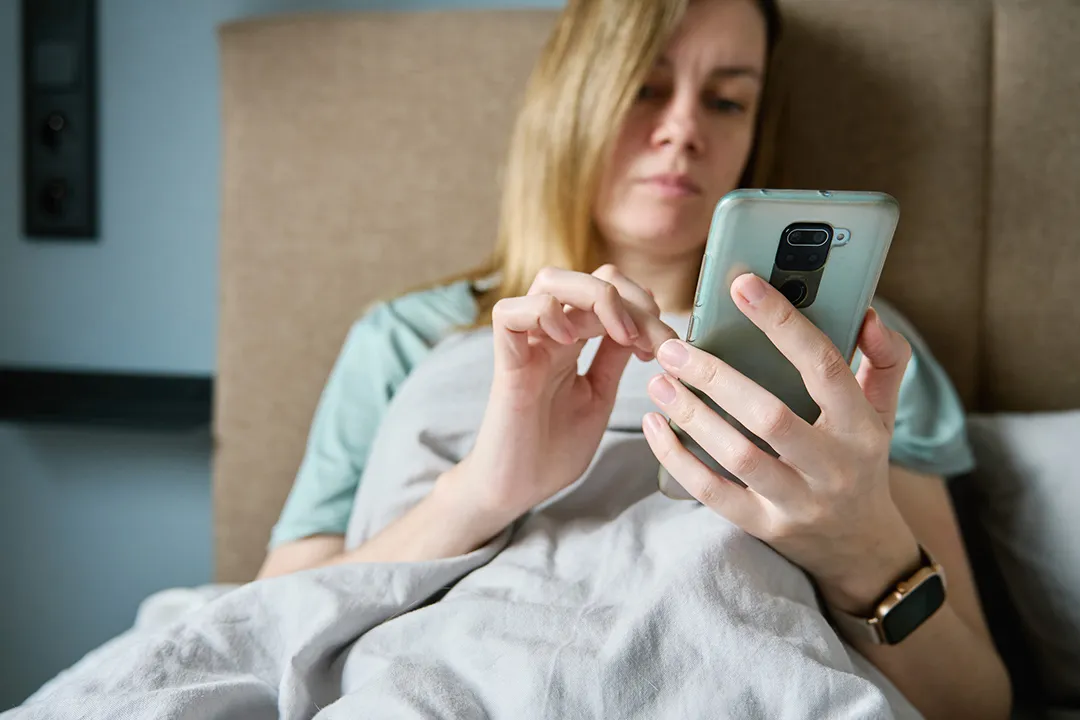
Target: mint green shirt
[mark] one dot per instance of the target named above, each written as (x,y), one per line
(393,337)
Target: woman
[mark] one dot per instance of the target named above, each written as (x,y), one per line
(601,237)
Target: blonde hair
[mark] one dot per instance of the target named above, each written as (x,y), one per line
(584,83)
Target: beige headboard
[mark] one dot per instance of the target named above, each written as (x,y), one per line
(361,157)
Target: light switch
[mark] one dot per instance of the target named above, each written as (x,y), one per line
(60,170)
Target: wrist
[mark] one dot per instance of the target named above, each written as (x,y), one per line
(455,498)
(858,590)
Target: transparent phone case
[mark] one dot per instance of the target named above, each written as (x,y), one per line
(748,235)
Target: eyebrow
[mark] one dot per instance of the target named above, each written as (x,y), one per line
(723,71)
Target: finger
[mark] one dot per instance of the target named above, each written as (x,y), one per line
(588,325)
(825,372)
(513,318)
(606,369)
(749,404)
(586,292)
(741,506)
(886,354)
(630,290)
(735,452)
(644,309)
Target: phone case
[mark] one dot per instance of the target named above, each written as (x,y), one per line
(755,231)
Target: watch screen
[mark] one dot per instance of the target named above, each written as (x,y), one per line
(916,607)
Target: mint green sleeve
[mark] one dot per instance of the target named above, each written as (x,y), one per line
(930,434)
(378,353)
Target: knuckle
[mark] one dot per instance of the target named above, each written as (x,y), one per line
(802,522)
(779,527)
(785,316)
(607,293)
(607,271)
(551,304)
(707,372)
(685,413)
(831,365)
(776,420)
(544,276)
(744,459)
(876,442)
(708,492)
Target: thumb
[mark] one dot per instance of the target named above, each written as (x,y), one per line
(885,358)
(606,369)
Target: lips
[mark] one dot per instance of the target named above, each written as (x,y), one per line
(673,183)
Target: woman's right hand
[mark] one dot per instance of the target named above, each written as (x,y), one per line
(544,421)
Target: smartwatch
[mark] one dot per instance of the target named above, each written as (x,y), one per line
(902,609)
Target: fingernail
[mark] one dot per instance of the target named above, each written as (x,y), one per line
(753,289)
(673,354)
(628,325)
(662,390)
(880,323)
(571,333)
(654,424)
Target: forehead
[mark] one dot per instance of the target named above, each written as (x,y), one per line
(720,32)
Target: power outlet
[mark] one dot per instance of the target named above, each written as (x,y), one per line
(60,131)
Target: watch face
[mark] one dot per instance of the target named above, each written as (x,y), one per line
(914,609)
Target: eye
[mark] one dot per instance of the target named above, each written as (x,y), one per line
(724,105)
(651,92)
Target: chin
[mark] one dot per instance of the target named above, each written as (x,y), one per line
(663,230)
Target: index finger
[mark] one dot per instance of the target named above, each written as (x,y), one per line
(646,313)
(592,295)
(824,370)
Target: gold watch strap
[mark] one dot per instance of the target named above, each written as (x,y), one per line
(872,628)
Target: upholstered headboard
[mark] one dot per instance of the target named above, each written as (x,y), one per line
(361,157)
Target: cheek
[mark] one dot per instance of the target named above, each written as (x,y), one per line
(616,178)
(630,144)
(733,146)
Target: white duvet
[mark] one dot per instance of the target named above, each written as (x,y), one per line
(610,601)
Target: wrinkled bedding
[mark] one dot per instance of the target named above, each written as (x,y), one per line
(609,600)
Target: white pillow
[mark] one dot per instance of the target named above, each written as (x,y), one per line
(1027,482)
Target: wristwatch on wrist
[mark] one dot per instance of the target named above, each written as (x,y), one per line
(902,609)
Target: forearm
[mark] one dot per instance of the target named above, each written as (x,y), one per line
(301,554)
(948,667)
(444,524)
(429,530)
(945,668)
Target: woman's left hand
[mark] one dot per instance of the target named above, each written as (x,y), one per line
(825,502)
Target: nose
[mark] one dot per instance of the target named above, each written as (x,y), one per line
(680,126)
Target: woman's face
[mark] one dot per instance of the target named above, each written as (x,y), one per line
(686,140)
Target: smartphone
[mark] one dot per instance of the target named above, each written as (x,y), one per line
(824,250)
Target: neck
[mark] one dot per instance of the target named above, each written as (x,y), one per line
(672,280)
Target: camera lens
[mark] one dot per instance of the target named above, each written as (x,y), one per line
(794,291)
(810,237)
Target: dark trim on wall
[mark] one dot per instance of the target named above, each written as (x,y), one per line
(163,402)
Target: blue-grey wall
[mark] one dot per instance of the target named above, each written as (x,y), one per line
(91,521)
